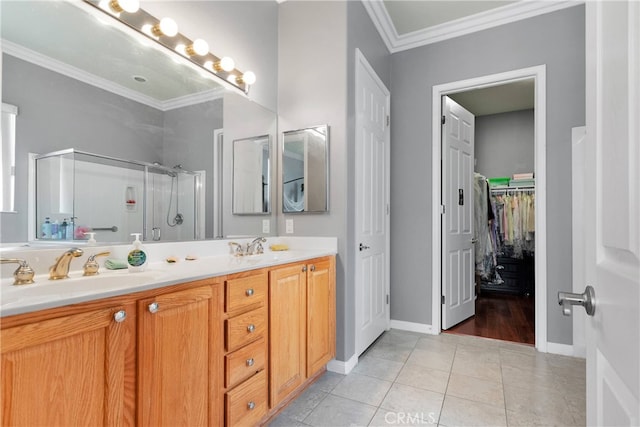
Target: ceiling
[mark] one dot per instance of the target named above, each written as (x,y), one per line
(407,24)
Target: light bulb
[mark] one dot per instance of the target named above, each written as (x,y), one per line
(209,65)
(166,27)
(130,6)
(225,64)
(181,49)
(248,77)
(199,47)
(231,78)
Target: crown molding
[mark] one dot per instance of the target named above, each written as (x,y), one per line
(65,69)
(481,21)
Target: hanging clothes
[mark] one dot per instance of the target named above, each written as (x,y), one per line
(515,221)
(483,219)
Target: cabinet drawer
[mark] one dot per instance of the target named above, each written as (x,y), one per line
(246,404)
(245,328)
(245,292)
(243,363)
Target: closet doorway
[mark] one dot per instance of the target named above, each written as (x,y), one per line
(511,289)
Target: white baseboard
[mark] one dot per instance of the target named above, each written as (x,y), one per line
(340,367)
(562,349)
(412,327)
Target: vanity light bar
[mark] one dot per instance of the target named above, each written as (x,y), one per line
(165,32)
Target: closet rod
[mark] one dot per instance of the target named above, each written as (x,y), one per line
(525,189)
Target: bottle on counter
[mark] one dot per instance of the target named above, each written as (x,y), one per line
(71,229)
(46,229)
(62,230)
(54,230)
(137,257)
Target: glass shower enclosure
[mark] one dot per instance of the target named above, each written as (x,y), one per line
(78,193)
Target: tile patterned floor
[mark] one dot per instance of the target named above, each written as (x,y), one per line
(407,378)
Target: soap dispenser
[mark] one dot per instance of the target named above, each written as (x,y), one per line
(137,257)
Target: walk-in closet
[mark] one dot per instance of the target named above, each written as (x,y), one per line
(504,195)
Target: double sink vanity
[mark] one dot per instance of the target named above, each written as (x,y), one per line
(217,340)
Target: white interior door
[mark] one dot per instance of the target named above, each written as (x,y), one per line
(372,197)
(612,214)
(457,197)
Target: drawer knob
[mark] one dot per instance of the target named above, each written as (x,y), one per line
(251,328)
(250,362)
(249,292)
(251,405)
(153,307)
(119,316)
(313,267)
(304,268)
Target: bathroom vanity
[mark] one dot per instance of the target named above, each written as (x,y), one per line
(222,340)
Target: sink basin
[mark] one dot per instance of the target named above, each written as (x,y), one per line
(45,291)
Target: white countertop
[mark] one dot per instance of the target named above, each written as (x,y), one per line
(45,293)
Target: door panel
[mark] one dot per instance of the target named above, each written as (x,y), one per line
(372,178)
(457,246)
(612,203)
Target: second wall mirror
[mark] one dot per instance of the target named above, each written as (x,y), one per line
(305,170)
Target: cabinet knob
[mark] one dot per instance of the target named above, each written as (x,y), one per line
(249,292)
(251,405)
(250,362)
(313,267)
(304,268)
(119,316)
(251,328)
(154,307)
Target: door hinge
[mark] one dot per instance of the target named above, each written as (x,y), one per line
(388,120)
(443,119)
(442,300)
(387,299)
(442,210)
(388,209)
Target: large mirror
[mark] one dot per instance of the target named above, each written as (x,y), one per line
(252,175)
(305,170)
(80,84)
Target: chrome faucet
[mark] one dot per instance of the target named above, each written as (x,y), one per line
(60,270)
(255,247)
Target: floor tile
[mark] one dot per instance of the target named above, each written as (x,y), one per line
(478,390)
(400,338)
(425,378)
(462,412)
(337,411)
(437,346)
(362,388)
(379,368)
(413,401)
(530,402)
(328,381)
(477,368)
(430,359)
(302,406)
(383,350)
(283,421)
(386,418)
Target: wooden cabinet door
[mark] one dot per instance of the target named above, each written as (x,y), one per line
(73,370)
(321,314)
(175,378)
(287,332)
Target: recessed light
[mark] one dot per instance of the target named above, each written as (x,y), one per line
(140,79)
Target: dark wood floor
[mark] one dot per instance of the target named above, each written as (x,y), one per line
(500,316)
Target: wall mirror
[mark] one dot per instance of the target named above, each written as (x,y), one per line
(305,170)
(251,175)
(113,95)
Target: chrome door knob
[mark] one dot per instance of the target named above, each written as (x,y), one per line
(250,362)
(251,405)
(249,292)
(153,307)
(586,299)
(251,328)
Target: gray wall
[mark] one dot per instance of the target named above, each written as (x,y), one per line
(57,112)
(317,42)
(312,90)
(188,141)
(504,143)
(555,39)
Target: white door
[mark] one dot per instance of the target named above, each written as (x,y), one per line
(612,213)
(372,197)
(457,197)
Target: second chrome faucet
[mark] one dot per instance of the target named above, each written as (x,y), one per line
(253,248)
